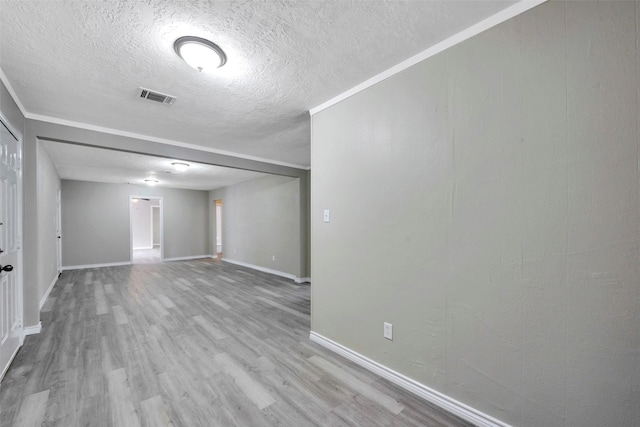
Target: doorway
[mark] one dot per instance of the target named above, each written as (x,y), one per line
(146,241)
(218,204)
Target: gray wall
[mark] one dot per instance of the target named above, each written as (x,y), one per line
(95,222)
(485,202)
(261,218)
(48,183)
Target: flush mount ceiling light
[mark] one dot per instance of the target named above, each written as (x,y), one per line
(199,53)
(180,166)
(151,182)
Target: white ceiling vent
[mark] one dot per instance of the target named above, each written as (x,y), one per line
(152,95)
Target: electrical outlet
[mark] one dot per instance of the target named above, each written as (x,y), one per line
(388,331)
(273,258)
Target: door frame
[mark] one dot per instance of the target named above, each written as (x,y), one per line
(217,231)
(4,121)
(59,232)
(159,226)
(159,198)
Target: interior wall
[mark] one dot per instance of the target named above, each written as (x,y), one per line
(48,184)
(485,202)
(95,221)
(261,219)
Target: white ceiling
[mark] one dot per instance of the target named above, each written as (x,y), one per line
(82,163)
(84,60)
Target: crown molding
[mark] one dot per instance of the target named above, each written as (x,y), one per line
(86,126)
(460,37)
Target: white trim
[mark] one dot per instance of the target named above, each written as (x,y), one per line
(460,37)
(33,330)
(17,135)
(126,134)
(13,356)
(213,256)
(112,131)
(143,247)
(107,264)
(46,294)
(5,80)
(460,409)
(302,279)
(263,269)
(186,258)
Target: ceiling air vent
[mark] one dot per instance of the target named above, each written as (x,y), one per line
(151,95)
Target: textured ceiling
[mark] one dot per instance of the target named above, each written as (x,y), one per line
(84,60)
(99,165)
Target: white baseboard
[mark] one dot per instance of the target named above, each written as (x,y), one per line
(460,409)
(143,248)
(186,258)
(303,279)
(33,330)
(263,269)
(213,256)
(46,294)
(82,267)
(6,368)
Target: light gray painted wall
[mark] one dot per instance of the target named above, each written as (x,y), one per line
(95,222)
(48,183)
(260,219)
(485,202)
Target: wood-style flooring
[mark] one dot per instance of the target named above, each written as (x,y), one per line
(146,256)
(198,343)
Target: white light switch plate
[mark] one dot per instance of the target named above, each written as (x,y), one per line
(326,215)
(388,331)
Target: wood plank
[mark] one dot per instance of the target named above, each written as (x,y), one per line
(250,387)
(123,413)
(32,409)
(198,343)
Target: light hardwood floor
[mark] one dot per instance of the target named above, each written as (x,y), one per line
(198,343)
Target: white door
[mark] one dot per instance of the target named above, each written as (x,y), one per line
(11,329)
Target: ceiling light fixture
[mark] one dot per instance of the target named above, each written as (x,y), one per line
(151,182)
(199,53)
(180,166)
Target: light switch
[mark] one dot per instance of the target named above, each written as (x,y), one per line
(326,215)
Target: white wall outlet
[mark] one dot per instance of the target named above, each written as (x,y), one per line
(326,215)
(388,331)
(273,258)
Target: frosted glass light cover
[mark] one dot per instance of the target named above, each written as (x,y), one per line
(180,166)
(199,53)
(199,56)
